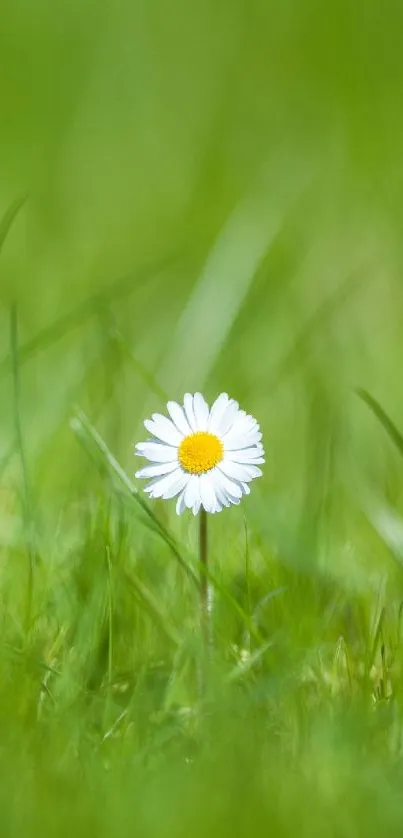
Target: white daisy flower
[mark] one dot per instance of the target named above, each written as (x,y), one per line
(206,458)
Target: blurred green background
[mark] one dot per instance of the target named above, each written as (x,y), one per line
(201,196)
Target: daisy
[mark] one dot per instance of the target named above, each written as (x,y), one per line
(206,458)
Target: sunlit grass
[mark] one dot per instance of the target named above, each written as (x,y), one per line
(205,198)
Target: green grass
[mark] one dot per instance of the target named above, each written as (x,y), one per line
(205,196)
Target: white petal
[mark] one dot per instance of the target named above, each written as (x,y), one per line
(196,507)
(239,423)
(246,488)
(249,423)
(222,497)
(177,486)
(226,498)
(180,503)
(236,471)
(207,493)
(246,451)
(217,411)
(241,440)
(157,452)
(156,471)
(178,416)
(192,491)
(190,415)
(163,429)
(201,411)
(220,502)
(241,415)
(247,455)
(230,487)
(244,426)
(168,486)
(252,471)
(228,492)
(158,481)
(227,418)
(239,471)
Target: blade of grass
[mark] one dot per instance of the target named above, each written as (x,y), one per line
(7,457)
(247,579)
(122,287)
(84,431)
(384,419)
(245,666)
(341,654)
(235,257)
(9,217)
(246,619)
(21,653)
(376,640)
(144,374)
(319,319)
(26,491)
(387,522)
(152,606)
(110,639)
(112,730)
(270,595)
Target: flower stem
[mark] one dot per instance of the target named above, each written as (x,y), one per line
(203,548)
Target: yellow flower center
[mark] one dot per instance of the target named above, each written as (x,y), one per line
(200,452)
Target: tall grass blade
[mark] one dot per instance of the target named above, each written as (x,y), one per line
(26,489)
(9,218)
(119,289)
(85,431)
(384,419)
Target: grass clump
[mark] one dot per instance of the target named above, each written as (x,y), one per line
(207,199)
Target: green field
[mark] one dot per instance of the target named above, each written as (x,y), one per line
(201,196)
